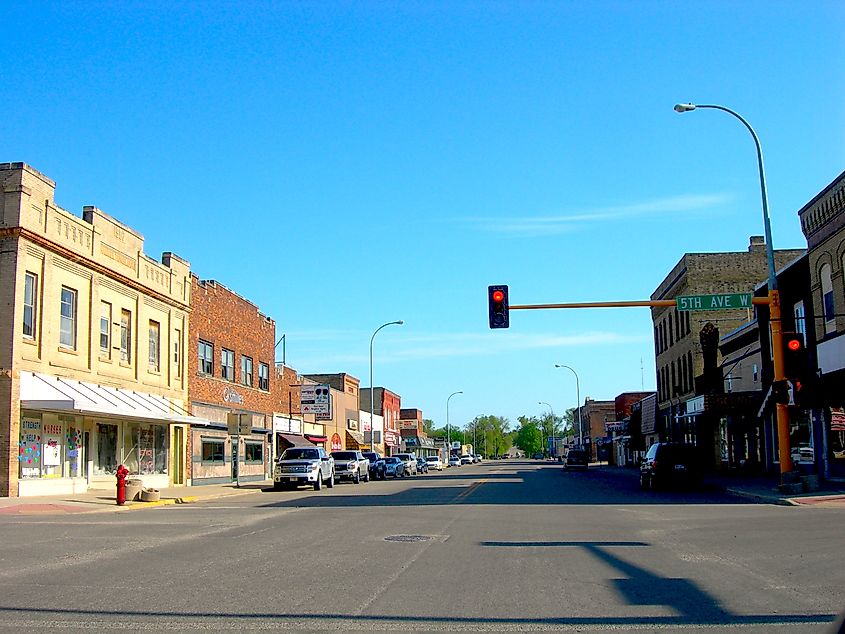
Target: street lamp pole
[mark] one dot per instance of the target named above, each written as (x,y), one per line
(448,428)
(781,411)
(553,420)
(578,396)
(372,388)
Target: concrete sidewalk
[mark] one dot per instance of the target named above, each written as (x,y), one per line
(103,501)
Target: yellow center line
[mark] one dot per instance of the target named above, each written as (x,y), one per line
(463,495)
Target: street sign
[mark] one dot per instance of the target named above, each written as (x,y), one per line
(719,301)
(315,399)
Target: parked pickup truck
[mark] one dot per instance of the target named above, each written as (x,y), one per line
(351,465)
(304,465)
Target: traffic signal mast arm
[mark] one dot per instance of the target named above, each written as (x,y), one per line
(623,304)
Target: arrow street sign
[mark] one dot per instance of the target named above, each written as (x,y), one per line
(720,301)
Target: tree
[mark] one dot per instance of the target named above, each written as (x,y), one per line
(490,433)
(428,426)
(528,438)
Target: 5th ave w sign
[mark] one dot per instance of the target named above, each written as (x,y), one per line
(720,301)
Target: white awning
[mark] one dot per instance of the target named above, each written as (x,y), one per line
(46,392)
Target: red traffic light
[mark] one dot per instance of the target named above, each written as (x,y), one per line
(498,296)
(794,344)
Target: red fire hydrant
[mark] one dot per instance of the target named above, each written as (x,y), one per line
(122,472)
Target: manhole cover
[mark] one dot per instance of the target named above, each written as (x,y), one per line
(407,538)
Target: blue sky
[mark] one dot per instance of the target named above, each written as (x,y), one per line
(346,164)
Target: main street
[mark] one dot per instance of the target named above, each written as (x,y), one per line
(502,546)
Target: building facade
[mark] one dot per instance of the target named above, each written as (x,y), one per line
(229,372)
(594,418)
(823,224)
(387,405)
(686,342)
(343,426)
(93,371)
(413,436)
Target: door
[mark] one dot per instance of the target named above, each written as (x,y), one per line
(178,459)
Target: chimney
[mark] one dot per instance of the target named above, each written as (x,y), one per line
(756,243)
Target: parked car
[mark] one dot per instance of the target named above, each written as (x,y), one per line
(670,464)
(576,459)
(351,465)
(478,457)
(434,462)
(376,467)
(466,459)
(410,461)
(304,465)
(455,461)
(422,465)
(393,466)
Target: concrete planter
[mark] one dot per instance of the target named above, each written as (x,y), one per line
(150,495)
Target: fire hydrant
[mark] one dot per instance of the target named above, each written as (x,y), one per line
(122,472)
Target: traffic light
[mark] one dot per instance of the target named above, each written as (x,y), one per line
(794,355)
(497,299)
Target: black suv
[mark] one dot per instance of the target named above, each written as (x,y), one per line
(670,464)
(376,465)
(576,459)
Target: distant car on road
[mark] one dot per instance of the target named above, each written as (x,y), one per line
(670,464)
(455,461)
(422,465)
(576,459)
(434,462)
(395,467)
(466,459)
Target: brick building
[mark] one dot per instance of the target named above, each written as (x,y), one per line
(288,420)
(93,370)
(387,405)
(229,371)
(594,418)
(686,342)
(413,436)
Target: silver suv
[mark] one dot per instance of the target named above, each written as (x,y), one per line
(410,461)
(351,465)
(304,465)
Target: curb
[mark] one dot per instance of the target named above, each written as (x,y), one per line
(757,497)
(186,499)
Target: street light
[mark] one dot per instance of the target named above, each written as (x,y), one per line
(553,420)
(372,389)
(578,396)
(448,428)
(781,411)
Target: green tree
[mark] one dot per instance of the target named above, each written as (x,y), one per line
(490,433)
(428,426)
(529,438)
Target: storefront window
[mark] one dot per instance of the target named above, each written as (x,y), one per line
(105,462)
(49,446)
(801,437)
(145,446)
(253,451)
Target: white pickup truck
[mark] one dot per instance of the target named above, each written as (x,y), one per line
(304,465)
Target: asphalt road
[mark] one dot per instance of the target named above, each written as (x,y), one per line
(501,546)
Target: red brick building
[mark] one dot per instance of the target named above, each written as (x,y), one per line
(230,369)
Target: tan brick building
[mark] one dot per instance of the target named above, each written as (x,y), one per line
(342,429)
(93,369)
(230,370)
(678,336)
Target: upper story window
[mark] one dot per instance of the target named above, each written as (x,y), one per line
(155,346)
(264,377)
(827,299)
(227,364)
(246,371)
(177,352)
(125,336)
(30,292)
(800,320)
(105,330)
(205,354)
(67,327)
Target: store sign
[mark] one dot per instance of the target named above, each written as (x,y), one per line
(408,424)
(337,444)
(837,419)
(611,427)
(29,447)
(391,438)
(316,399)
(410,441)
(231,396)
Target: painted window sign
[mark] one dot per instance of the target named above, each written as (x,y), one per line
(29,447)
